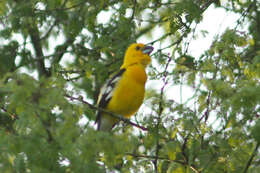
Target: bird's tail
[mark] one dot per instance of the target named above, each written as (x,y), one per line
(106,122)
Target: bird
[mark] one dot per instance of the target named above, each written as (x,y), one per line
(123,93)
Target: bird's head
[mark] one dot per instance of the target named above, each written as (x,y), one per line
(138,53)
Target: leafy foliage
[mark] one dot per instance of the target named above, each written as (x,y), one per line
(56,54)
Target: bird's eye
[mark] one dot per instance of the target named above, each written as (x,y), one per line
(137,48)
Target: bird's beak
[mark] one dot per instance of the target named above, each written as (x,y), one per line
(147,49)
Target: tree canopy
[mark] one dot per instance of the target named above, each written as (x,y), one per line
(55,55)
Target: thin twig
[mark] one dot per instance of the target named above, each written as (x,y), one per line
(154,157)
(172,44)
(243,15)
(161,38)
(71,71)
(62,7)
(74,78)
(163,158)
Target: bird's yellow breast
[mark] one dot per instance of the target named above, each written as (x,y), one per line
(129,93)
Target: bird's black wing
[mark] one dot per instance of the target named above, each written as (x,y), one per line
(107,91)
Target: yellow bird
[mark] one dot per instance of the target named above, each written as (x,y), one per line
(123,94)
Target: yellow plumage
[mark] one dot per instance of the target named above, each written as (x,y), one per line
(124,92)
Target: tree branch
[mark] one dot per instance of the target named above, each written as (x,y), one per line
(61,49)
(206,113)
(12,115)
(49,31)
(184,147)
(251,158)
(165,81)
(134,8)
(177,42)
(207,4)
(107,112)
(36,42)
